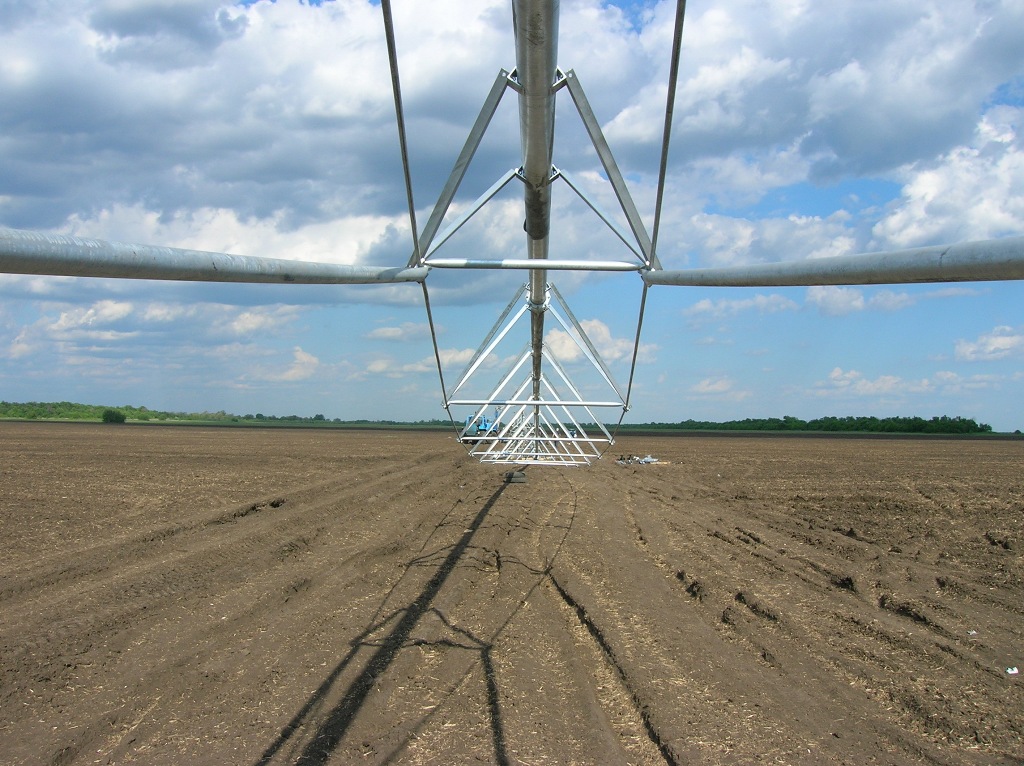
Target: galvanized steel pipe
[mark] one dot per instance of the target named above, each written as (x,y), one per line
(985,260)
(536,31)
(32,252)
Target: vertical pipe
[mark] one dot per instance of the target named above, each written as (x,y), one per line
(536,30)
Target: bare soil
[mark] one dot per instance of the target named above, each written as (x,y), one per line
(198,595)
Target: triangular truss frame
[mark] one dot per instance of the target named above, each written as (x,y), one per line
(544,418)
(561,427)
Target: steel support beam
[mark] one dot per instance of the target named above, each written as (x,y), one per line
(451,186)
(32,252)
(611,168)
(461,220)
(983,261)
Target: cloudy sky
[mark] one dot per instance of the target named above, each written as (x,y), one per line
(802,130)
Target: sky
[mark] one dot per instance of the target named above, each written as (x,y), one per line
(802,130)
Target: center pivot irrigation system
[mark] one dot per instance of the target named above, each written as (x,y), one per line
(531,412)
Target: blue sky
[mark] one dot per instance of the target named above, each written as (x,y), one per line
(802,130)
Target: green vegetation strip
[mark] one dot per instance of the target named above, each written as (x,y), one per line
(850,424)
(65,411)
(70,411)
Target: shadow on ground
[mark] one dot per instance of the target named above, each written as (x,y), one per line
(314,733)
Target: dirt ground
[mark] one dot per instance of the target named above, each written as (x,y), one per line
(231,596)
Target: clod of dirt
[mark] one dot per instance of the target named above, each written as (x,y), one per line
(906,609)
(999,539)
(757,607)
(844,582)
(694,588)
(951,585)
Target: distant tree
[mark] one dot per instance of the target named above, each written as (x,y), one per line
(113,416)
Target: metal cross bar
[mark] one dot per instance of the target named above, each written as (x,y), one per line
(526,263)
(486,403)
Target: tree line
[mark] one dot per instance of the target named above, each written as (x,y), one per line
(101,412)
(849,424)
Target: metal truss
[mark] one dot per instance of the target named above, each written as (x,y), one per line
(559,427)
(540,414)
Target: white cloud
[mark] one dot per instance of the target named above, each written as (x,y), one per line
(400,370)
(260,365)
(974,191)
(453,361)
(611,349)
(160,312)
(458,356)
(836,301)
(721,240)
(953,383)
(21,345)
(393,368)
(260,320)
(150,333)
(852,384)
(404,332)
(76,329)
(841,301)
(101,313)
(711,100)
(344,240)
(304,365)
(1001,343)
(762,304)
(888,300)
(562,345)
(712,386)
(722,387)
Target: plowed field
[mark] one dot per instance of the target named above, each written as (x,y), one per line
(233,596)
